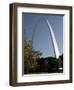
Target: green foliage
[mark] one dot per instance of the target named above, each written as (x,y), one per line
(30,56)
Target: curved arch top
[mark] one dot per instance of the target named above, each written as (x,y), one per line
(54,42)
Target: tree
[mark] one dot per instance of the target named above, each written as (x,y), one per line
(30,56)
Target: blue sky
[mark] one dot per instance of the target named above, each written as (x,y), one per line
(42,39)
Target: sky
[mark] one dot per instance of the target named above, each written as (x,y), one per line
(42,39)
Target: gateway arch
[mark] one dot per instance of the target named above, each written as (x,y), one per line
(53,39)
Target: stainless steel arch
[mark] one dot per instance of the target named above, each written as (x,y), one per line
(54,43)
